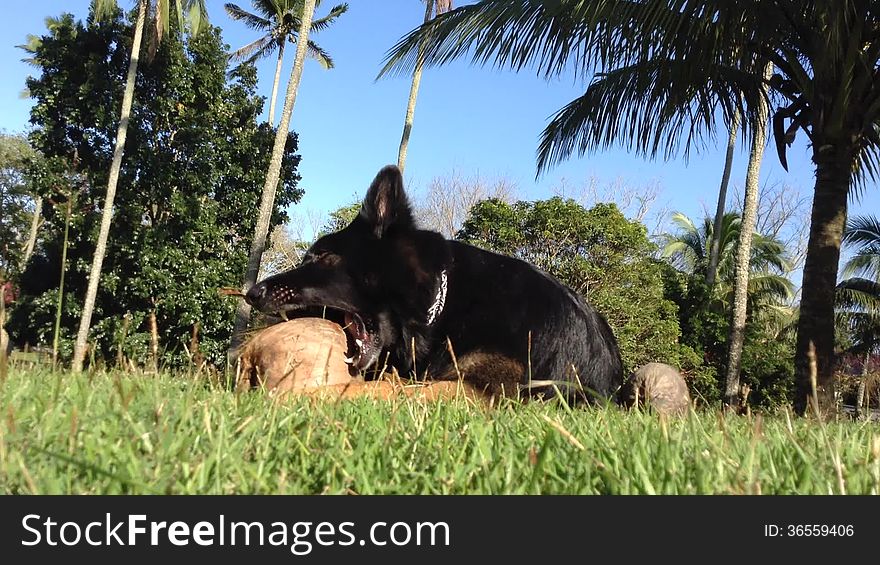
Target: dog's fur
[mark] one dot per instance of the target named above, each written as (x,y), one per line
(442,310)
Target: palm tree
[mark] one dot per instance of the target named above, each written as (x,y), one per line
(32,47)
(267,201)
(670,69)
(432,8)
(737,333)
(858,296)
(863,232)
(688,250)
(32,43)
(279,20)
(195,10)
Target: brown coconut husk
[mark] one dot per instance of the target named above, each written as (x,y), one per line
(295,356)
(658,386)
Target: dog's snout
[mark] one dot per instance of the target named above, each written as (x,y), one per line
(257,294)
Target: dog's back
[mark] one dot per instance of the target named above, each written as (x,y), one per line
(522,328)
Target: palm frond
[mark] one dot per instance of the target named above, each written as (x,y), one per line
(777,288)
(730,224)
(546,36)
(665,67)
(103,9)
(253,21)
(683,222)
(31,45)
(275,9)
(681,255)
(859,295)
(861,230)
(658,107)
(322,57)
(769,252)
(196,16)
(866,165)
(779,319)
(321,24)
(685,249)
(162,18)
(254,50)
(866,263)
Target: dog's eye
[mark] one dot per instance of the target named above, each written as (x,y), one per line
(324,258)
(329,259)
(312,257)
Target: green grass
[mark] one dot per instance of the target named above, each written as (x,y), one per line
(126,433)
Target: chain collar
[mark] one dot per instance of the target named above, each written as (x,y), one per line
(439,300)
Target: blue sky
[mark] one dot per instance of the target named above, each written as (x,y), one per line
(468,119)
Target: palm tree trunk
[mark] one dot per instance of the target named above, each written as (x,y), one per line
(834,165)
(120,347)
(860,391)
(736,336)
(413,94)
(154,341)
(60,304)
(715,246)
(4,337)
(275,84)
(32,235)
(243,313)
(85,322)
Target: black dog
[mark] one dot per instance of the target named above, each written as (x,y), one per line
(403,292)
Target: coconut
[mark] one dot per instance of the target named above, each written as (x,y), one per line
(295,356)
(659,386)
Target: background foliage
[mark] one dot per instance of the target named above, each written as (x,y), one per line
(599,253)
(191,178)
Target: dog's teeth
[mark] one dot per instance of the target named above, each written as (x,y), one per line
(359,342)
(283,315)
(349,360)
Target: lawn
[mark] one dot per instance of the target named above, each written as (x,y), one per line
(116,432)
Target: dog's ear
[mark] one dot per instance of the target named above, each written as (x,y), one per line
(386,205)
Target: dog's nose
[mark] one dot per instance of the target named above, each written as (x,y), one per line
(256,294)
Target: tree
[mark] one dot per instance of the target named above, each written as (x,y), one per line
(285,251)
(32,42)
(705,311)
(267,201)
(598,253)
(433,8)
(863,233)
(858,296)
(280,21)
(668,70)
(187,187)
(688,250)
(16,205)
(103,7)
(736,337)
(340,218)
(447,200)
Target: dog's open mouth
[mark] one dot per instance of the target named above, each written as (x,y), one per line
(363,350)
(360,332)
